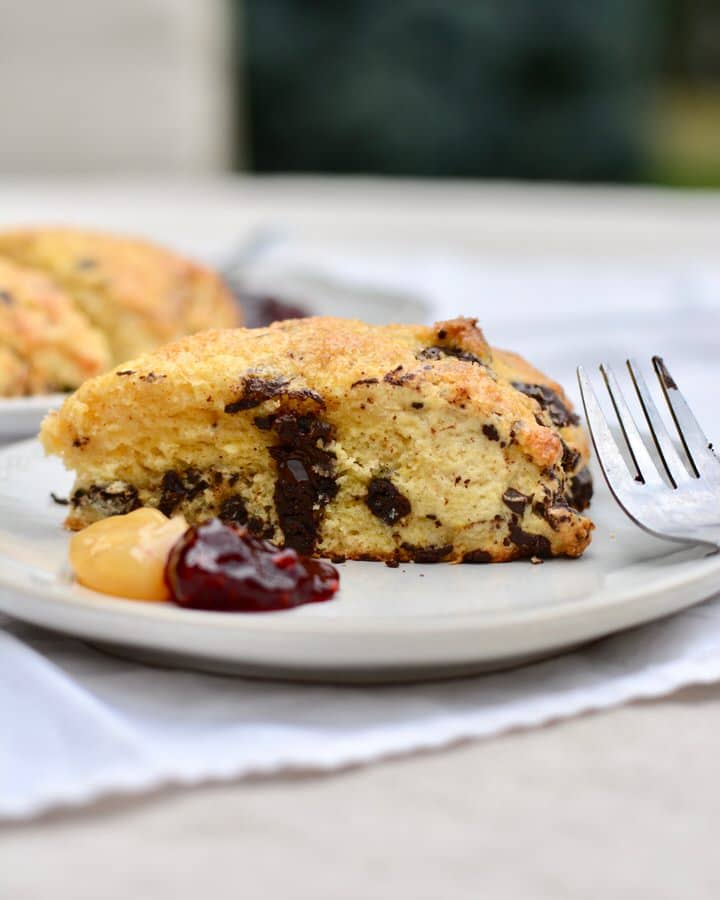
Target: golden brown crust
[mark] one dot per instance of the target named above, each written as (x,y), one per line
(140,295)
(415,442)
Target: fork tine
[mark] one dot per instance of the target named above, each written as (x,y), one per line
(611,460)
(674,466)
(697,446)
(641,458)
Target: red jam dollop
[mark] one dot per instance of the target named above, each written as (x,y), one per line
(222,567)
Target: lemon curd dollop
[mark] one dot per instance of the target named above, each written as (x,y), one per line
(126,555)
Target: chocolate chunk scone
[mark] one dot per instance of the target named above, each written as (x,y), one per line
(46,344)
(135,294)
(337,438)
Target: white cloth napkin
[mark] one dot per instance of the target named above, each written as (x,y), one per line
(77,724)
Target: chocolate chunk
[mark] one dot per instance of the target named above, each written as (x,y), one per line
(570,458)
(386,502)
(581,490)
(490,432)
(176,489)
(396,379)
(255,391)
(515,501)
(550,401)
(305,477)
(417,404)
(6,297)
(477,556)
(264,423)
(114,499)
(427,554)
(364,381)
(392,563)
(233,509)
(81,442)
(528,544)
(307,394)
(440,352)
(61,501)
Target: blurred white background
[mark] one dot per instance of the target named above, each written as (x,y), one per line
(102,86)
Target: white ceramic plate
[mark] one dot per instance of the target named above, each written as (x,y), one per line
(21,416)
(416,621)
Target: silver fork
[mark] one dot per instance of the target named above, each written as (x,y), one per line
(686,506)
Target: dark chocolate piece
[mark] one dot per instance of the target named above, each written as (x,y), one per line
(515,501)
(550,401)
(233,509)
(427,554)
(61,501)
(386,502)
(305,477)
(477,556)
(570,458)
(417,404)
(255,391)
(528,544)
(581,490)
(396,379)
(176,489)
(490,432)
(264,423)
(440,352)
(81,442)
(114,500)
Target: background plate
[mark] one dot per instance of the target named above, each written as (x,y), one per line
(416,621)
(21,416)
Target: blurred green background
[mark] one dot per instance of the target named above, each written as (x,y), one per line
(610,90)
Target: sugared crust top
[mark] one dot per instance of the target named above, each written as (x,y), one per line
(331,357)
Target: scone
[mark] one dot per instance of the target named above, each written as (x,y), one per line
(337,438)
(45,343)
(138,294)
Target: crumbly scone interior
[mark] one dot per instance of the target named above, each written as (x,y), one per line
(395,443)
